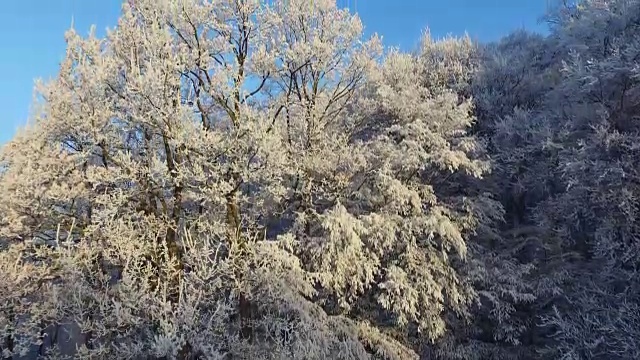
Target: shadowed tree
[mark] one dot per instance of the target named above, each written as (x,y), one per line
(195,186)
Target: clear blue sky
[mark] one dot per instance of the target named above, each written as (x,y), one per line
(32,43)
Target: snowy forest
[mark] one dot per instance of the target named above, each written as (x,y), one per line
(228,179)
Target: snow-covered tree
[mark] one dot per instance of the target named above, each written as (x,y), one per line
(196,184)
(256,180)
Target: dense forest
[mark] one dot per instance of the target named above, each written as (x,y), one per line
(233,180)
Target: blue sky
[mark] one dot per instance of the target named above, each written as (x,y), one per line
(32,43)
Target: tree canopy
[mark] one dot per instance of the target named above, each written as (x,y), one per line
(236,180)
